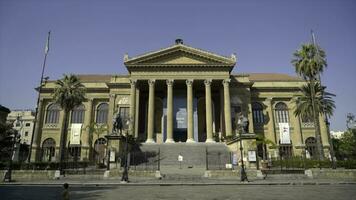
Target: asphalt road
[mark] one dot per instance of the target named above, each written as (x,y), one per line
(211,192)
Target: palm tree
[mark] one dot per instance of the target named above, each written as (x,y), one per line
(69,93)
(323,102)
(309,62)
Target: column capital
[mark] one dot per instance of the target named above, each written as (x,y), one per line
(133,82)
(269,99)
(226,82)
(90,100)
(170,82)
(112,96)
(207,82)
(189,82)
(151,81)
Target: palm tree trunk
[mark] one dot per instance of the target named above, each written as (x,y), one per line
(316,121)
(63,142)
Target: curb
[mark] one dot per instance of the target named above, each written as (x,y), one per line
(175,184)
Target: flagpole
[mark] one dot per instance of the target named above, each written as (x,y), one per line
(326,120)
(39,95)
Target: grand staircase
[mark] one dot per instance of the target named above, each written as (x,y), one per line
(194,156)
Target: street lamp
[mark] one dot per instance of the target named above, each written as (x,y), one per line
(242,122)
(125,174)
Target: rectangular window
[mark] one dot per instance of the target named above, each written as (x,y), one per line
(28,124)
(125,116)
(26,133)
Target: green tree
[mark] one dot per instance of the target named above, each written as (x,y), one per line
(69,93)
(95,129)
(6,140)
(266,143)
(323,102)
(309,63)
(346,145)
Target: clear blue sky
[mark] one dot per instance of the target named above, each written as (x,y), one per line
(92,37)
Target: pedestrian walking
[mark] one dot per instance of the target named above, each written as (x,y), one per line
(65,193)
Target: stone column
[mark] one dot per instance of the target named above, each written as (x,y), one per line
(297,135)
(227,107)
(271,125)
(190,134)
(170,111)
(86,137)
(111,111)
(36,144)
(132,106)
(151,109)
(137,108)
(208,110)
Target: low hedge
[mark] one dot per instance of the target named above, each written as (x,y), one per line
(310,163)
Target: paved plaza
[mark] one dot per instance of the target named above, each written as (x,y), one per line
(209,192)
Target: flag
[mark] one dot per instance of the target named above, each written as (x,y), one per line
(47,43)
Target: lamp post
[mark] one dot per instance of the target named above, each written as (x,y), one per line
(125,174)
(241,124)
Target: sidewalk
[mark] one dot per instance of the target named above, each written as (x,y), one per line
(139,181)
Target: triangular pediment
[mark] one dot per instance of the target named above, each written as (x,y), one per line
(180,54)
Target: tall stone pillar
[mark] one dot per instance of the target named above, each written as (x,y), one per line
(111,110)
(170,111)
(227,107)
(132,106)
(137,109)
(208,110)
(36,143)
(271,134)
(86,137)
(151,109)
(298,139)
(190,137)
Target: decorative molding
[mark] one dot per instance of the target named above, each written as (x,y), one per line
(226,82)
(189,82)
(126,57)
(170,82)
(151,82)
(207,82)
(133,82)
(123,100)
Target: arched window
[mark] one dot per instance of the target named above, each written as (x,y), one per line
(102,113)
(310,144)
(52,116)
(257,113)
(48,150)
(78,114)
(281,111)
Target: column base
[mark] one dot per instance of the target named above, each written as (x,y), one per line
(190,140)
(150,140)
(169,140)
(209,140)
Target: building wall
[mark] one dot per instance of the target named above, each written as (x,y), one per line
(23,122)
(243,92)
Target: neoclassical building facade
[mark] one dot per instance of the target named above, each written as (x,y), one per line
(178,94)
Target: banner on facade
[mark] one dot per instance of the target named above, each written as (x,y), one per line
(75,132)
(284,133)
(252,156)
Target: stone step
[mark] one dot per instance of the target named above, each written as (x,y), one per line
(194,154)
